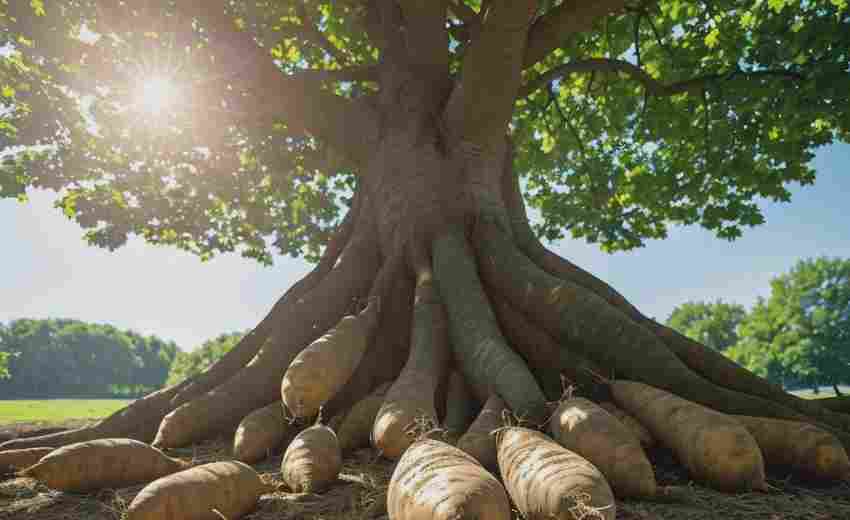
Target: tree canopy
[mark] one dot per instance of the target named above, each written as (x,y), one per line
(187,364)
(241,125)
(801,333)
(712,324)
(61,357)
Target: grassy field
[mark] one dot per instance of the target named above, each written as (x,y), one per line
(825,391)
(56,410)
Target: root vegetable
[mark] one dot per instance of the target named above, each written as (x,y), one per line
(14,460)
(262,431)
(546,480)
(312,461)
(589,430)
(436,481)
(411,397)
(479,440)
(714,447)
(207,492)
(103,463)
(637,429)
(319,371)
(354,427)
(799,446)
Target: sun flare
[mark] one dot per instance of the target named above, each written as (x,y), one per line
(156,95)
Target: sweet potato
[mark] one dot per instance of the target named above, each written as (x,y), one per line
(587,429)
(436,481)
(262,431)
(460,407)
(637,429)
(546,480)
(319,371)
(411,397)
(103,463)
(354,426)
(714,447)
(312,461)
(14,460)
(479,440)
(799,446)
(208,492)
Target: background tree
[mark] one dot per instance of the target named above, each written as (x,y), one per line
(60,357)
(188,364)
(801,333)
(433,123)
(712,324)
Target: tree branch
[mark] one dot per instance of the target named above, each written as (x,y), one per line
(482,102)
(653,87)
(425,33)
(267,93)
(559,23)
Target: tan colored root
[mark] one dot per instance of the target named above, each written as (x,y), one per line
(708,363)
(258,383)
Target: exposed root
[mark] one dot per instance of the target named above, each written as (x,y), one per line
(272,324)
(603,333)
(258,383)
(548,359)
(708,363)
(487,361)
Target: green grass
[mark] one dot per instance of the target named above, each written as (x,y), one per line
(825,391)
(57,410)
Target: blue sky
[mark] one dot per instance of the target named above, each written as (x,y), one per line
(48,271)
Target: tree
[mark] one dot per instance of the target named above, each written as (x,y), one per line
(189,364)
(61,357)
(712,324)
(424,123)
(802,331)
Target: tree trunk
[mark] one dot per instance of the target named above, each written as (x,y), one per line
(521,319)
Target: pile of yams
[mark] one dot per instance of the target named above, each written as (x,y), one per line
(595,452)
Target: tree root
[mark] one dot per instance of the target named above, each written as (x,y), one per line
(549,361)
(480,350)
(710,364)
(258,383)
(603,333)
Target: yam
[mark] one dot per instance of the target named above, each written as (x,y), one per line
(263,431)
(479,441)
(546,480)
(714,447)
(212,491)
(411,397)
(102,463)
(312,461)
(354,427)
(436,481)
(637,429)
(587,429)
(14,460)
(319,371)
(800,446)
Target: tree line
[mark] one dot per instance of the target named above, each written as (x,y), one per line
(799,336)
(65,357)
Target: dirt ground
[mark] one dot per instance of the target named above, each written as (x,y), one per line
(360,494)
